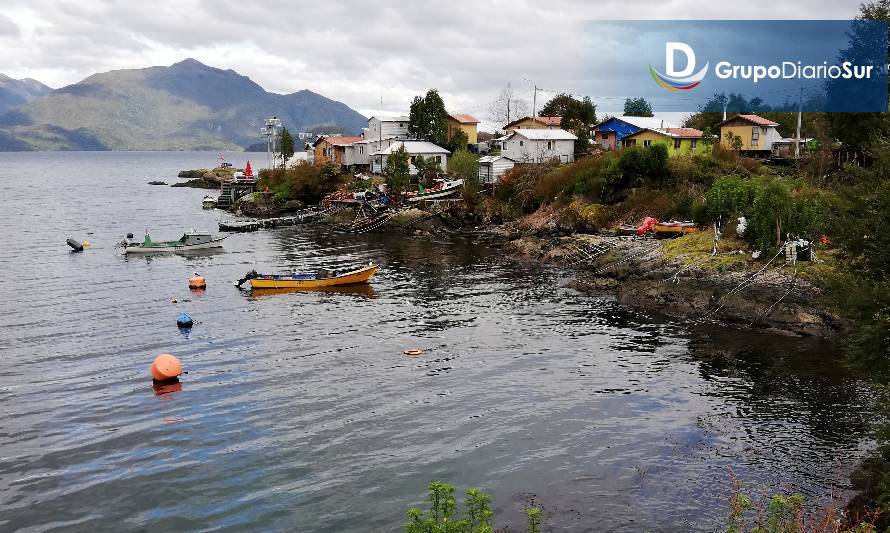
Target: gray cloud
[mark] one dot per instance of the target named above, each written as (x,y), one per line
(356,52)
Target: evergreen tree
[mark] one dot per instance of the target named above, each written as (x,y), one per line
(637,107)
(285,145)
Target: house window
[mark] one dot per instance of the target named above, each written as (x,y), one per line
(676,144)
(647,142)
(755,136)
(630,142)
(604,136)
(400,124)
(520,143)
(439,159)
(693,143)
(550,145)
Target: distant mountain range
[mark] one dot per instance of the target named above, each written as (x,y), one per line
(14,93)
(186,106)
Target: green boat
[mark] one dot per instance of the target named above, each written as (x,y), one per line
(191,240)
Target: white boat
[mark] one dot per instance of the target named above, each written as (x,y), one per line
(191,240)
(442,189)
(209,202)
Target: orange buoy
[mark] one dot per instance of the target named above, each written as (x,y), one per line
(414,352)
(197,282)
(165,366)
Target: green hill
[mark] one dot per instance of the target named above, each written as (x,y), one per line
(14,93)
(186,106)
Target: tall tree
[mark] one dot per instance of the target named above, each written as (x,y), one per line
(437,116)
(637,107)
(285,145)
(428,119)
(507,107)
(417,119)
(578,116)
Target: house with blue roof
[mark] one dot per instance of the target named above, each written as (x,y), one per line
(609,133)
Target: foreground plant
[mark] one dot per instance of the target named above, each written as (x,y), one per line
(787,514)
(442,515)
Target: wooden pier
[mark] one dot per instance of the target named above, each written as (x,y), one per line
(304,217)
(231,191)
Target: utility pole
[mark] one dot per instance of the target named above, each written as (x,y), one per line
(724,109)
(797,133)
(535,103)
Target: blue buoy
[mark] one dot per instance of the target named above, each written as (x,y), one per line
(184,320)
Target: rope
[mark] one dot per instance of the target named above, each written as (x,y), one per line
(770,309)
(741,286)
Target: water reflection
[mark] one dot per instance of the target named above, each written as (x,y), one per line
(362,290)
(304,409)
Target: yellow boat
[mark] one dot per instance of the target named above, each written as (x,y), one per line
(322,278)
(675,228)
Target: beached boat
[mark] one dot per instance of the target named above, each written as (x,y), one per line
(191,240)
(320,279)
(674,228)
(209,202)
(442,189)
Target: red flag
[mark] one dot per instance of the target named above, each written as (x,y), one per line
(248,172)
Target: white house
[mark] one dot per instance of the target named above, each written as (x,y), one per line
(492,167)
(414,149)
(386,127)
(538,145)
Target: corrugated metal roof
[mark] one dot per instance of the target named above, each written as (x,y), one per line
(340,140)
(754,119)
(686,133)
(541,134)
(464,119)
(493,158)
(547,121)
(651,123)
(415,147)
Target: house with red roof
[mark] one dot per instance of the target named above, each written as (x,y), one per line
(551,123)
(757,134)
(462,122)
(679,141)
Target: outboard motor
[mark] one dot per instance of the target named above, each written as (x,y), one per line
(76,246)
(250,275)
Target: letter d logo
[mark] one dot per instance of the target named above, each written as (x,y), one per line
(675,80)
(670,50)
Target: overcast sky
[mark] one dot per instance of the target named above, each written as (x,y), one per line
(355,52)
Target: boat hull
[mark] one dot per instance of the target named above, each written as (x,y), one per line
(139,249)
(434,195)
(362,275)
(674,229)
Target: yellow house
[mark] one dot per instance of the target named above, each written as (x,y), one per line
(533,122)
(679,141)
(757,134)
(466,123)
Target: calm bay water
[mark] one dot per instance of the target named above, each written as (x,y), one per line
(300,412)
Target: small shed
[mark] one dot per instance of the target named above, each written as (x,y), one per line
(492,167)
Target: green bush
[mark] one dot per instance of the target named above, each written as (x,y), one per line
(730,197)
(303,181)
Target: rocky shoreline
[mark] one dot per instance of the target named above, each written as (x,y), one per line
(641,273)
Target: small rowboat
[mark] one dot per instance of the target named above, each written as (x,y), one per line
(322,278)
(442,189)
(674,228)
(191,240)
